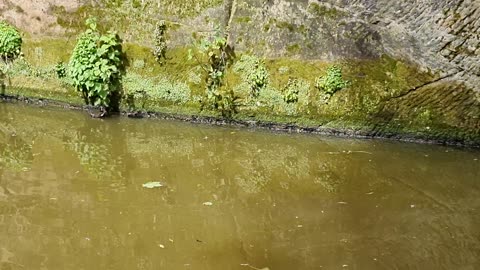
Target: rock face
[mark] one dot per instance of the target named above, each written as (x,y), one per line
(36,17)
(439,36)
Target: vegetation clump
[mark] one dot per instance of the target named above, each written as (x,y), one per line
(332,82)
(214,56)
(10,42)
(160,49)
(10,49)
(254,73)
(159,90)
(291,91)
(96,67)
(61,70)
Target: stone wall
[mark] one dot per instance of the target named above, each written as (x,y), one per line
(440,36)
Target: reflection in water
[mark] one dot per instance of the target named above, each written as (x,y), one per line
(15,151)
(71,197)
(93,149)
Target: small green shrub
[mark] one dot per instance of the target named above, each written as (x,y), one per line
(160,49)
(96,67)
(10,42)
(61,70)
(332,82)
(194,76)
(274,101)
(291,91)
(271,98)
(10,49)
(295,96)
(254,73)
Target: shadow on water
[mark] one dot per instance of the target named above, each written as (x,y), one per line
(71,197)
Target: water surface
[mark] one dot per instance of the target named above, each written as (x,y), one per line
(71,197)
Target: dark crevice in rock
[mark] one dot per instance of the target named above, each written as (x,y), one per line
(458,5)
(425,85)
(445,46)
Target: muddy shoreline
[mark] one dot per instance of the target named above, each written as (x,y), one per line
(249,124)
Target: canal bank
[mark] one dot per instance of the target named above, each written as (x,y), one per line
(337,128)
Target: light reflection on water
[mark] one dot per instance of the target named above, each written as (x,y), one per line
(71,197)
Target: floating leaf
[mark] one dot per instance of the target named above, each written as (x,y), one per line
(152,185)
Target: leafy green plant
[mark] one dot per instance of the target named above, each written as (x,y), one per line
(214,56)
(10,42)
(10,49)
(160,49)
(270,98)
(291,91)
(332,82)
(61,70)
(96,67)
(296,96)
(254,73)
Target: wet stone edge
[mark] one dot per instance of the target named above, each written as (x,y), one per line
(250,124)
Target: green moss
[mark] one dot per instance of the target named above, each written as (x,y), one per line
(73,21)
(266,27)
(285,25)
(293,49)
(245,19)
(324,11)
(47,51)
(43,89)
(302,29)
(134,22)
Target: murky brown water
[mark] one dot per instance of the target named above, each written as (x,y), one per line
(71,197)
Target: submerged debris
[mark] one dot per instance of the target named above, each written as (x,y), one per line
(153,185)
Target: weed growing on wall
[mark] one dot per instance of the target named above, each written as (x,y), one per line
(254,73)
(61,70)
(291,91)
(96,67)
(332,82)
(296,95)
(214,56)
(160,48)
